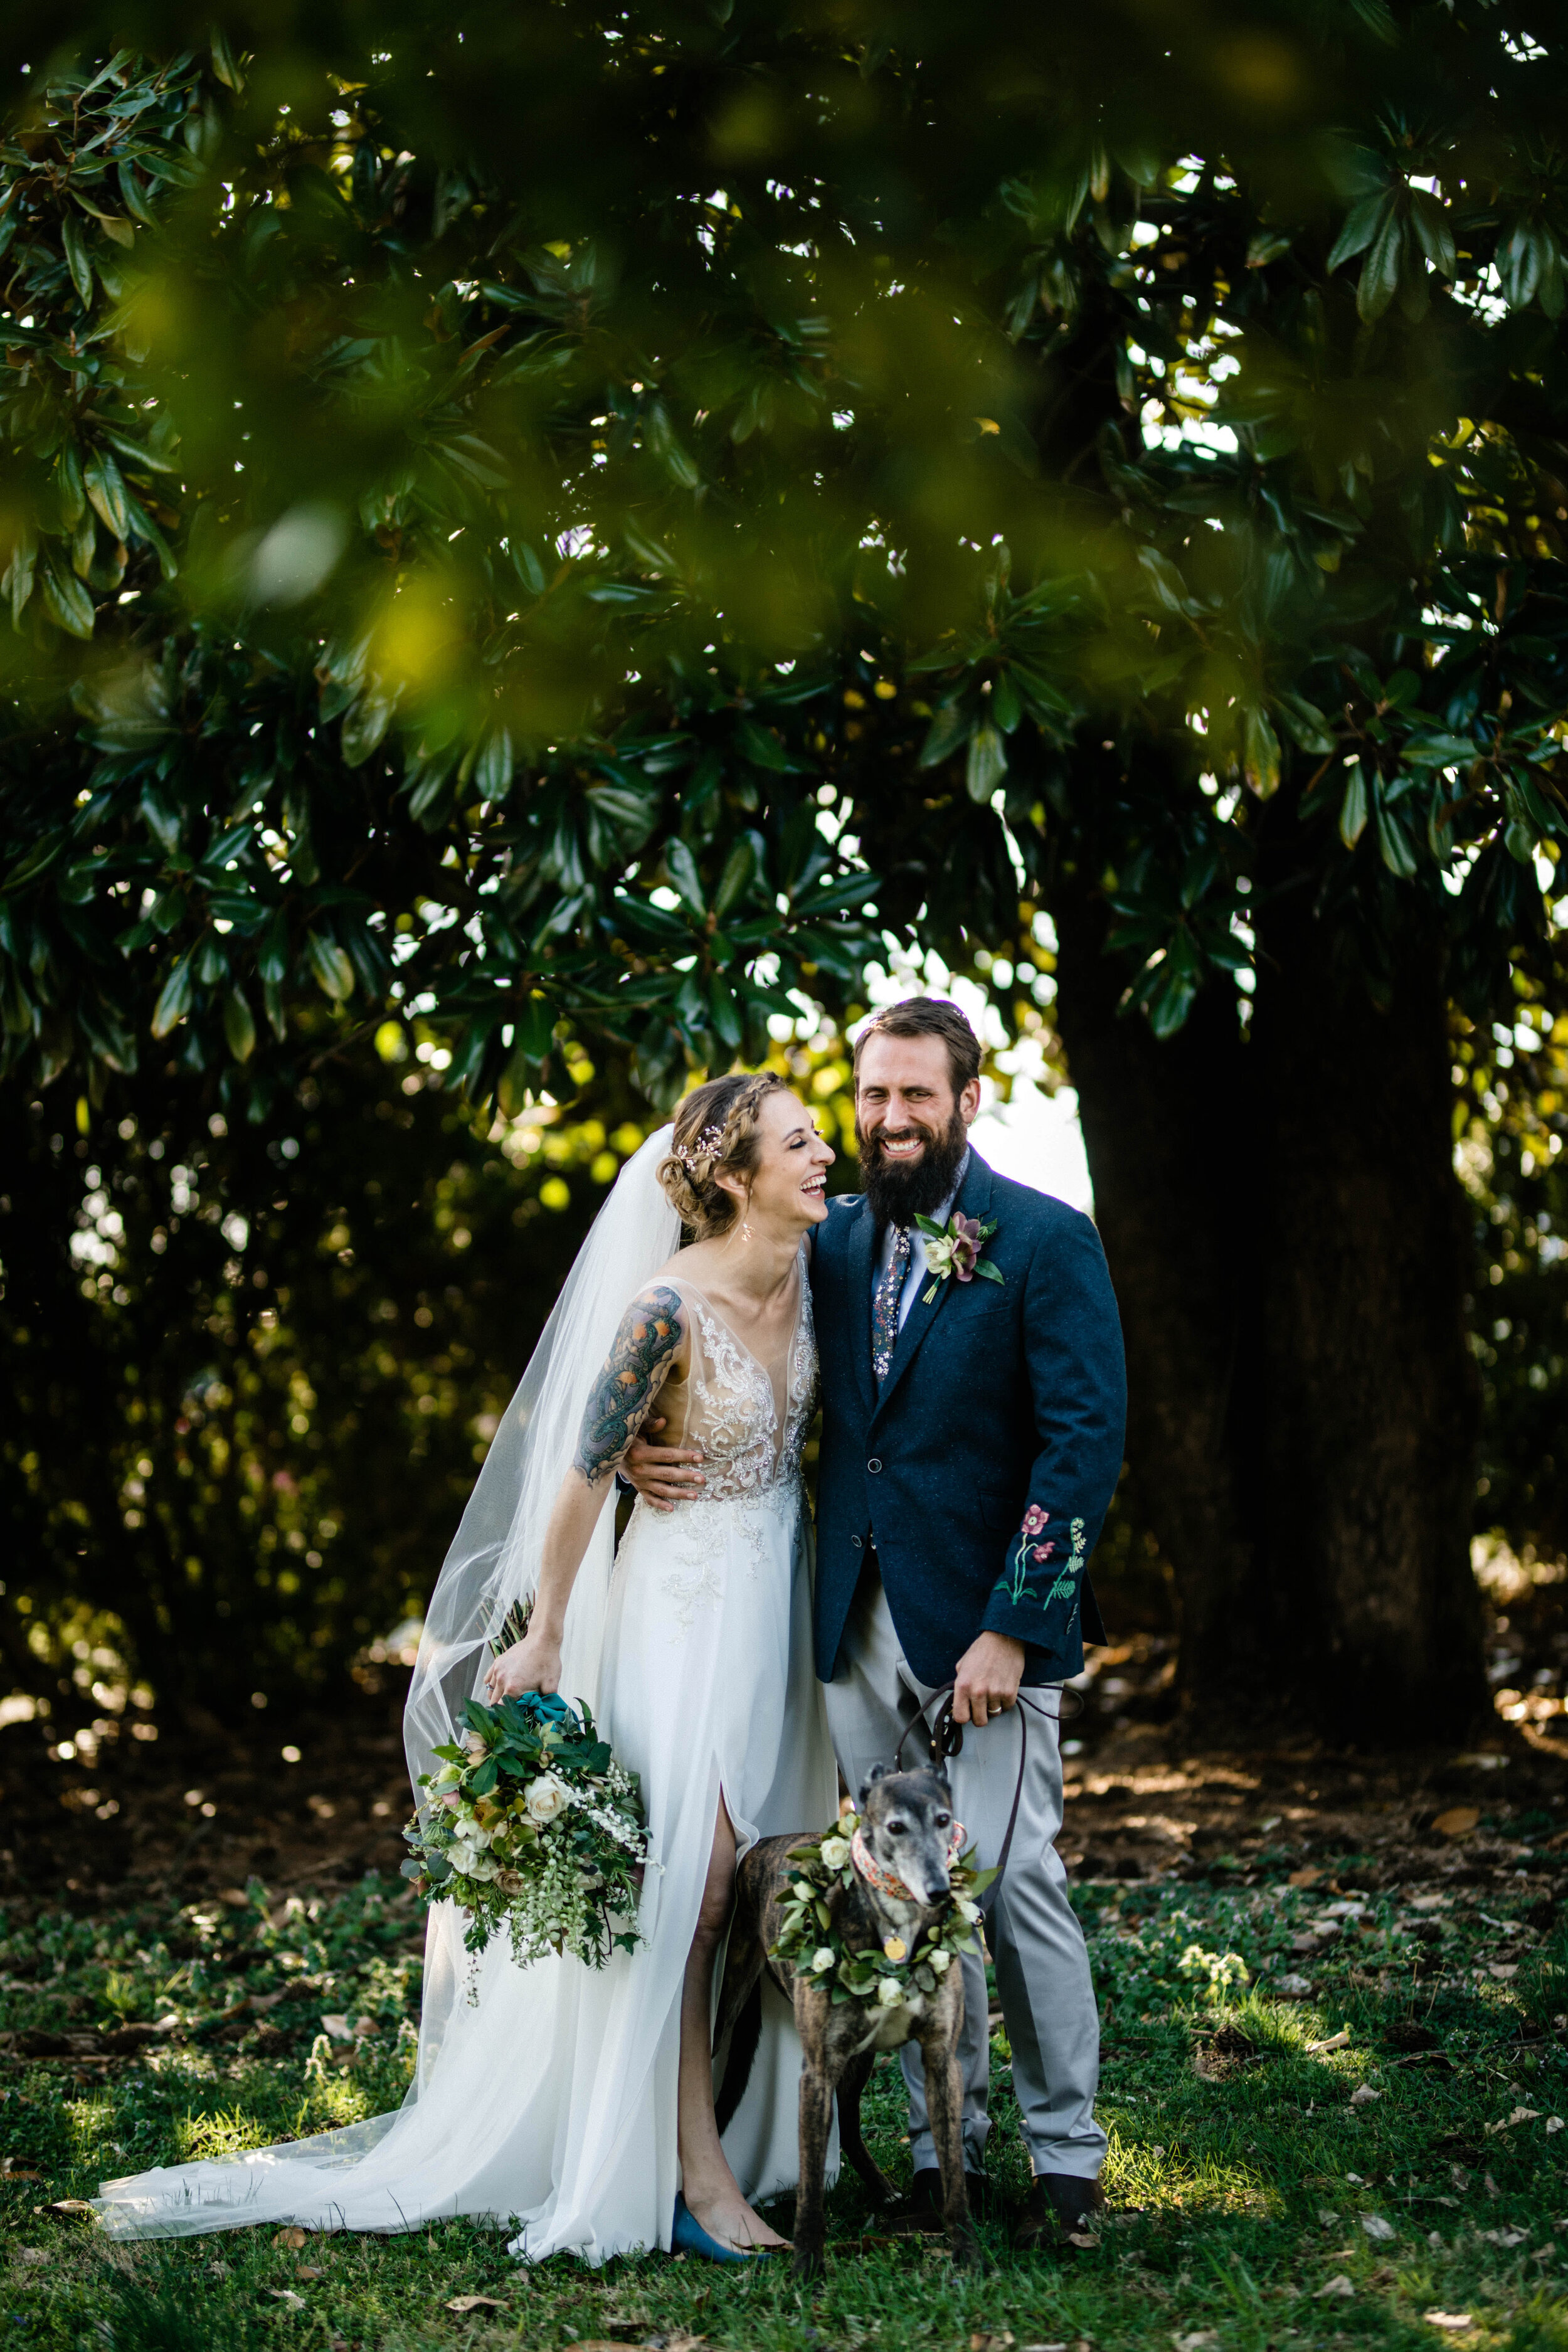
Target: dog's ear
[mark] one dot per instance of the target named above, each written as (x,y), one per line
(877,1772)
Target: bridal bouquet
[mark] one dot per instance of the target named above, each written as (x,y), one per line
(530,1826)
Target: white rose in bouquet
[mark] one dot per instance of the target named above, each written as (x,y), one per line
(940,1961)
(889,1993)
(835,1852)
(472,1860)
(546,1798)
(822,1960)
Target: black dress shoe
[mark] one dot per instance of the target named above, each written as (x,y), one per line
(1058,2208)
(923,2210)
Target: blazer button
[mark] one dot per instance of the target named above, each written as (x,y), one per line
(873,1465)
(855,1542)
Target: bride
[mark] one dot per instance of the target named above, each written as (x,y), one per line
(581,2101)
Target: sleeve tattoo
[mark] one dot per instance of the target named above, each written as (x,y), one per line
(645,1347)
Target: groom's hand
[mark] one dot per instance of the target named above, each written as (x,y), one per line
(987,1679)
(660,1473)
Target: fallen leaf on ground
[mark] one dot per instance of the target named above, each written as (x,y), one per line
(1293,1987)
(1196,2341)
(1553,2124)
(339,2028)
(292,2236)
(287,2294)
(70,2205)
(1457,1820)
(1505,2237)
(308,2270)
(1335,2042)
(1081,2238)
(482,2302)
(1308,1877)
(1520,2116)
(1337,2286)
(1383,2275)
(235,1896)
(983,2343)
(1364,2095)
(31,2254)
(1377,2229)
(1452,2320)
(1503,1969)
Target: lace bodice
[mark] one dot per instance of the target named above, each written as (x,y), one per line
(749,1418)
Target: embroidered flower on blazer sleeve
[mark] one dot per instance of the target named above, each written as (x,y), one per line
(1025,1549)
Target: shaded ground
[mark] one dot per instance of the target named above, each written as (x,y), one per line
(123,1809)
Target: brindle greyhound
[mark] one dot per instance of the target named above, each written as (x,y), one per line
(905,1821)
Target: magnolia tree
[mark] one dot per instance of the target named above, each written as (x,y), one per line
(586,524)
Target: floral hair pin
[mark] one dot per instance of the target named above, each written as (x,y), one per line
(955,1249)
(707,1147)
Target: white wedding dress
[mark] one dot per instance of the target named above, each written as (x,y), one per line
(549,2101)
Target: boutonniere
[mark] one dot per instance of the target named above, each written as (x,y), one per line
(955,1249)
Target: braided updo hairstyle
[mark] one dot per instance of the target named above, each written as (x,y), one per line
(715,1128)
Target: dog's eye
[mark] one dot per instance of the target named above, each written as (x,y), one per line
(897,1829)
(945,1820)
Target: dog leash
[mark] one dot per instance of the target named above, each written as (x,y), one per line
(945,1738)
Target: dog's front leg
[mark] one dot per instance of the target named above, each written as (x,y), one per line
(815,2114)
(851,2140)
(945,2110)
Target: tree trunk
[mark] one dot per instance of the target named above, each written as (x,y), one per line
(1286,1235)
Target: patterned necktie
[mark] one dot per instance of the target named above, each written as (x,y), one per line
(885,1304)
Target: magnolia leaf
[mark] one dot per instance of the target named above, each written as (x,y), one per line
(238,1025)
(363,728)
(173,999)
(1394,844)
(986,764)
(1378,280)
(1353,808)
(105,487)
(1429,219)
(1259,753)
(736,877)
(78,261)
(948,728)
(1360,227)
(334,973)
(682,867)
(65,601)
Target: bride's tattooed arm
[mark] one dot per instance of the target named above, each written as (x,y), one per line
(645,1347)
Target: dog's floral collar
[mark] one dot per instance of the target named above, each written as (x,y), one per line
(954,1248)
(814,1945)
(888,1882)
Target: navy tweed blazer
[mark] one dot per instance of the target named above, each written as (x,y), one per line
(984,1470)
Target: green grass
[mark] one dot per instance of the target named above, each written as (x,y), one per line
(1243,2169)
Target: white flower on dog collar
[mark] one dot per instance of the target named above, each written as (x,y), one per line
(889,1993)
(822,1960)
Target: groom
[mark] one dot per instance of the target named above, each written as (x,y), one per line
(971,1443)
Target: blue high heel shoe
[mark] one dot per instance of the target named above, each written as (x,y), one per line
(687,2236)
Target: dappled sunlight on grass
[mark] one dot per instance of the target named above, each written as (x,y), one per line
(1262,2190)
(225,2134)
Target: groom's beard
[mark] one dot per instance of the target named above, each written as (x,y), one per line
(896,1194)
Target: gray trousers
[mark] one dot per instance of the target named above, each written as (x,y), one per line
(1042,1965)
